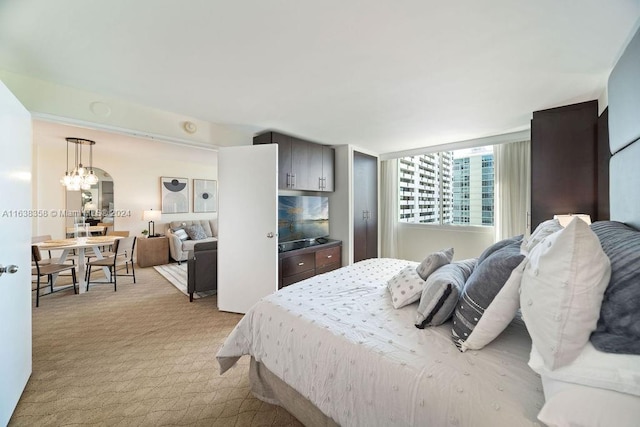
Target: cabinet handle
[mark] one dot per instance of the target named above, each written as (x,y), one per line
(301,263)
(293,180)
(320,183)
(288,180)
(364,215)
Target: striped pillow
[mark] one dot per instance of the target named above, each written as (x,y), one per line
(618,329)
(486,281)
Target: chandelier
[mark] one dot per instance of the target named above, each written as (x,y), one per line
(79,177)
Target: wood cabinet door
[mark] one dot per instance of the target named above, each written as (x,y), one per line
(328,159)
(300,165)
(365,197)
(315,167)
(285,160)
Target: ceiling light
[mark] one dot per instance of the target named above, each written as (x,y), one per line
(80,177)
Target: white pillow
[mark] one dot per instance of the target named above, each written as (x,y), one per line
(181,234)
(568,404)
(543,230)
(405,287)
(434,261)
(618,372)
(499,314)
(561,292)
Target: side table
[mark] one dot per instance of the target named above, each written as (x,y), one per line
(152,251)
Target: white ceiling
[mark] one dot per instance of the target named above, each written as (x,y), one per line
(381,74)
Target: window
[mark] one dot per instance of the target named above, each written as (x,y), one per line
(449,187)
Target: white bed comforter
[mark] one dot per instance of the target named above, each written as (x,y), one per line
(339,342)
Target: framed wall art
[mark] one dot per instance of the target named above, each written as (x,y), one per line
(205,195)
(175,194)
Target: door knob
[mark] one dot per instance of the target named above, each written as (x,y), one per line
(8,269)
(270,235)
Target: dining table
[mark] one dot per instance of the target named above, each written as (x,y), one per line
(79,246)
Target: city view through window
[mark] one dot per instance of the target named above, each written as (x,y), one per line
(449,187)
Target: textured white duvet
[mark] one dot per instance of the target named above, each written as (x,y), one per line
(338,341)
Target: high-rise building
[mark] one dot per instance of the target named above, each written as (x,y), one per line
(449,187)
(425,189)
(473,180)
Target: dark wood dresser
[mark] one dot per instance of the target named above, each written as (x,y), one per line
(299,264)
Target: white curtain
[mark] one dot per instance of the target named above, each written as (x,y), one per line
(512,189)
(389,208)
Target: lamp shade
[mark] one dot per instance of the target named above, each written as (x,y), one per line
(152,215)
(566,218)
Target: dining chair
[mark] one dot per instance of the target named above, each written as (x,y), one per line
(107,250)
(107,226)
(98,230)
(50,259)
(123,256)
(38,239)
(49,269)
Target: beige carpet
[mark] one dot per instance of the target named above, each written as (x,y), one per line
(141,356)
(177,275)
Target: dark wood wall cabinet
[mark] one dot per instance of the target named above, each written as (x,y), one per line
(303,165)
(300,264)
(365,206)
(564,175)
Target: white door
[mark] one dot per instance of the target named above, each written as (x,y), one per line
(15,250)
(247,225)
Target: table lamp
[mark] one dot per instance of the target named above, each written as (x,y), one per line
(566,218)
(152,216)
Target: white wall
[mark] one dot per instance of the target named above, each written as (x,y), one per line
(136,165)
(416,241)
(341,204)
(74,106)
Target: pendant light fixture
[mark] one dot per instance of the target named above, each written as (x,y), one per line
(80,177)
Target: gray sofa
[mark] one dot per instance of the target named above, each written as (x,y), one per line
(202,268)
(179,249)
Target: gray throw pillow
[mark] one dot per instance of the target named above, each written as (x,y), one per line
(483,285)
(196,232)
(441,291)
(618,329)
(434,261)
(497,246)
(181,234)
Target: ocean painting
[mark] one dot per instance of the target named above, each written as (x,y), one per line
(302,217)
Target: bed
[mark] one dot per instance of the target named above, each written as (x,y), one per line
(340,349)
(337,340)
